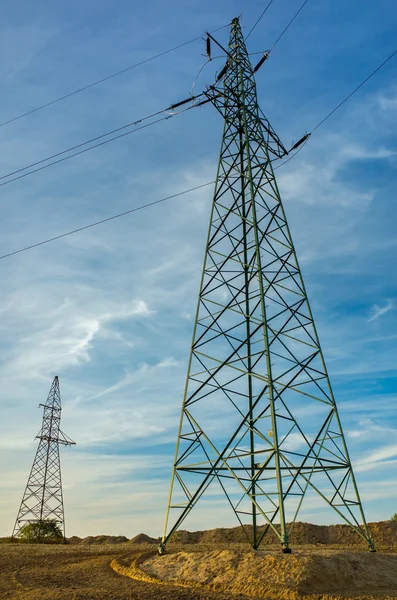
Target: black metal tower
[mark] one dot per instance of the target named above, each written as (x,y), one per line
(259,421)
(43,499)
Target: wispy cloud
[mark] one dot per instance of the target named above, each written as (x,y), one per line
(387,102)
(378,311)
(376,458)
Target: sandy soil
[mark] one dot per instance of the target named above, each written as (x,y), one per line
(273,575)
(33,572)
(221,568)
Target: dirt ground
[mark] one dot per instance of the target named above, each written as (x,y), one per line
(83,572)
(33,572)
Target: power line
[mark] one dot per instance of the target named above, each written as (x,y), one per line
(79,152)
(81,144)
(94,83)
(191,189)
(355,90)
(256,23)
(291,157)
(337,107)
(118,216)
(62,152)
(148,125)
(284,30)
(289,24)
(123,214)
(116,137)
(244,8)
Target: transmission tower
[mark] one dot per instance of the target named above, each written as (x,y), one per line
(42,499)
(259,421)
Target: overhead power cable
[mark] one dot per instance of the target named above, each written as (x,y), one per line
(44,162)
(285,28)
(118,216)
(258,20)
(289,24)
(122,214)
(355,90)
(107,141)
(131,124)
(153,123)
(59,160)
(191,189)
(306,137)
(291,156)
(116,74)
(244,8)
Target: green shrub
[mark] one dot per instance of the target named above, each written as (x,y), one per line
(393,517)
(41,531)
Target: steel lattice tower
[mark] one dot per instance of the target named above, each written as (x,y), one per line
(43,499)
(259,418)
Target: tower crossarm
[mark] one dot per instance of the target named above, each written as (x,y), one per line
(221,99)
(57,440)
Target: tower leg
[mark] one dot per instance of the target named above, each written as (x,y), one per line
(161,549)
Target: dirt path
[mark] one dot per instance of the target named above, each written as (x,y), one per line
(77,573)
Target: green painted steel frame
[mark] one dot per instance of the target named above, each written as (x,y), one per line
(273,343)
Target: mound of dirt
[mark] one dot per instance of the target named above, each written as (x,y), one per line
(384,534)
(182,536)
(104,539)
(75,540)
(142,538)
(279,576)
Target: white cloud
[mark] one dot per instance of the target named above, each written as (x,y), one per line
(169,362)
(375,458)
(320,201)
(317,183)
(378,311)
(387,103)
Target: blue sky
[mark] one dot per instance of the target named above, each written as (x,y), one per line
(110,310)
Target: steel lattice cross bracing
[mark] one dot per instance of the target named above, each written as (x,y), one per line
(43,499)
(259,421)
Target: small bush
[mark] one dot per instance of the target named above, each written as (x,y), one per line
(41,531)
(394,517)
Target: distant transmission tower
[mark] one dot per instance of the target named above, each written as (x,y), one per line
(259,420)
(43,500)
